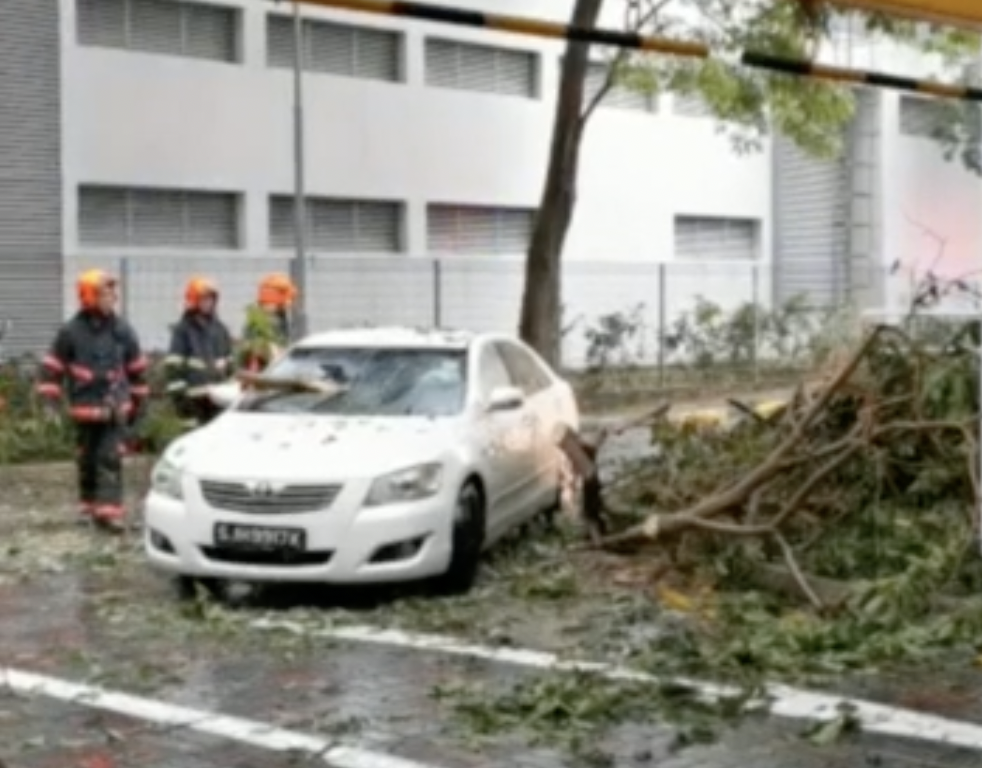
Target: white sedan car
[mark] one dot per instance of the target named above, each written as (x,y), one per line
(431,446)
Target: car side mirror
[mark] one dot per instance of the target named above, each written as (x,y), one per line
(506,399)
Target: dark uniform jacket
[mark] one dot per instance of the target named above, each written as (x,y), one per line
(96,363)
(200,354)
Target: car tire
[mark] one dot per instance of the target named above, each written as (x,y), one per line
(186,587)
(467,542)
(548,515)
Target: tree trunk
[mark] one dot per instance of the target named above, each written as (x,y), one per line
(542,297)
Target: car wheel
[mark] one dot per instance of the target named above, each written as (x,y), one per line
(466,544)
(187,587)
(548,515)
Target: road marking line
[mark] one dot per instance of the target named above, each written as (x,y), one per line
(252,732)
(780,700)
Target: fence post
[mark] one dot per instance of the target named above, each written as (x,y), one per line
(125,281)
(755,300)
(437,292)
(662,323)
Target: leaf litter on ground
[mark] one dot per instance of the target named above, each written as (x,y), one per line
(892,526)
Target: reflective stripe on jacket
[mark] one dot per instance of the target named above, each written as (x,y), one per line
(97,365)
(200,354)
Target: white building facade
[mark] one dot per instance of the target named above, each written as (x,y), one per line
(426,147)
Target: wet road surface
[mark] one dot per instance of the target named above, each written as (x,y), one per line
(80,607)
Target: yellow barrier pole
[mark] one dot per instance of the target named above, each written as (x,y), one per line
(530,27)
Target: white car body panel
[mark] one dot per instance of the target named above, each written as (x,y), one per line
(511,452)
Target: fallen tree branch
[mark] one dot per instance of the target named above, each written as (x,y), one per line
(582,455)
(258,381)
(795,571)
(840,483)
(739,493)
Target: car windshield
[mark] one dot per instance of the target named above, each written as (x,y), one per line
(375,382)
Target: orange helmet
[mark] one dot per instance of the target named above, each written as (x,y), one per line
(198,288)
(277,290)
(90,284)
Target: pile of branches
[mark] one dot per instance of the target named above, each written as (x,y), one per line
(863,484)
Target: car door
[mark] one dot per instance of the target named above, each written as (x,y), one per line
(506,451)
(541,417)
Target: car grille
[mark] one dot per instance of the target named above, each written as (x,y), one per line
(292,499)
(280,559)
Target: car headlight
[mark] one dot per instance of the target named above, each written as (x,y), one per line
(167,477)
(410,484)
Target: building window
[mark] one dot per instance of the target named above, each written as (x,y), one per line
(478,230)
(921,117)
(618,96)
(167,27)
(691,105)
(336,49)
(339,226)
(116,217)
(470,67)
(704,238)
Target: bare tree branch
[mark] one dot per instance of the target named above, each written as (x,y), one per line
(610,76)
(940,241)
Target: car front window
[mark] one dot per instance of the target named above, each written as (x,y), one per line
(374,382)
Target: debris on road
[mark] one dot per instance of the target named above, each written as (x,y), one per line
(847,518)
(834,534)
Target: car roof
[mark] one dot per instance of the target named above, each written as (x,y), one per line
(400,337)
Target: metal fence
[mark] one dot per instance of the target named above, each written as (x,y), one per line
(480,294)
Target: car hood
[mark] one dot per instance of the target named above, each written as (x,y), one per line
(245,445)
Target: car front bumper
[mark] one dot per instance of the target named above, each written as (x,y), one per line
(343,543)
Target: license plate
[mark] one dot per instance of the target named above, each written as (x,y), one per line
(257,537)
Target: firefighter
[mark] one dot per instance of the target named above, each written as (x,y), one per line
(97,366)
(267,328)
(200,353)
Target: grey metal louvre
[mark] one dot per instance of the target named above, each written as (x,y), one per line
(31,233)
(691,105)
(441,228)
(596,76)
(618,96)
(514,230)
(155,26)
(168,27)
(715,239)
(212,32)
(516,72)
(101,23)
(103,219)
(336,49)
(281,223)
(483,68)
(442,67)
(479,230)
(810,234)
(212,220)
(155,218)
(921,117)
(279,41)
(378,226)
(379,55)
(339,226)
(330,48)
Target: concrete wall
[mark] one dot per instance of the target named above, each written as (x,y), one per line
(136,119)
(139,119)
